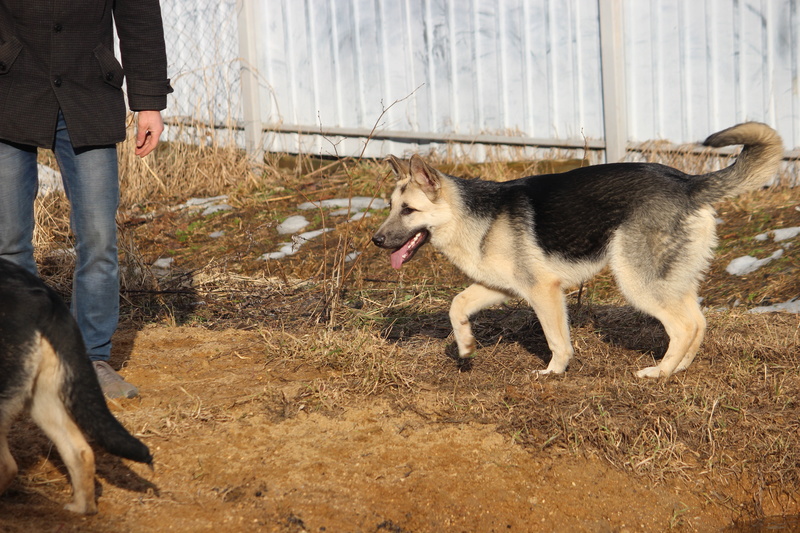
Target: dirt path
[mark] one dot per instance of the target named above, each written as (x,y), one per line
(236,448)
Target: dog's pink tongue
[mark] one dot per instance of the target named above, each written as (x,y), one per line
(401,256)
(397,257)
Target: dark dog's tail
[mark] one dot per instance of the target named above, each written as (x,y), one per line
(81,392)
(755,165)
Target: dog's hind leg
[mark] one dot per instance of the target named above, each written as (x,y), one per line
(76,454)
(547,300)
(8,467)
(50,414)
(693,307)
(468,302)
(659,272)
(684,322)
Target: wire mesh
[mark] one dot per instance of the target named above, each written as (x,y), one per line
(204,64)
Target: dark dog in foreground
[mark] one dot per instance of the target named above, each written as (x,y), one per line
(44,369)
(533,237)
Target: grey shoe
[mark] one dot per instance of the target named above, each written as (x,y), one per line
(112,383)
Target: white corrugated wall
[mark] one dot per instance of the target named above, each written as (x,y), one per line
(695,67)
(430,70)
(416,74)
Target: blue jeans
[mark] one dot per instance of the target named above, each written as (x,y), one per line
(91,182)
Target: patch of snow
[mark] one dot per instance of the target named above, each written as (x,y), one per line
(203,202)
(49,180)
(216,208)
(66,252)
(779,234)
(785,233)
(355,211)
(164,262)
(792,306)
(357,202)
(360,215)
(747,264)
(286,248)
(199,203)
(344,211)
(216,234)
(209,205)
(351,257)
(356,206)
(161,267)
(292,224)
(307,236)
(290,248)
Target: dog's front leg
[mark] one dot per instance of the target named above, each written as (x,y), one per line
(547,300)
(467,303)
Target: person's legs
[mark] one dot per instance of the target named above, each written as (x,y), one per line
(91,181)
(18,187)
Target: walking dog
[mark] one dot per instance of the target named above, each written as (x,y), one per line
(44,369)
(533,237)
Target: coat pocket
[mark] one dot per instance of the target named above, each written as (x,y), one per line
(9,51)
(110,68)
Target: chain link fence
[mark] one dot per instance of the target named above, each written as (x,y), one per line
(204,64)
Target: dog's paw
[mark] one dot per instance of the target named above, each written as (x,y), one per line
(652,372)
(464,364)
(82,508)
(550,371)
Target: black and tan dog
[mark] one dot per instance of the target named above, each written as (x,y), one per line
(44,369)
(533,237)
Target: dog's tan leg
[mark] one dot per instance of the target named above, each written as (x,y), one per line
(49,413)
(465,304)
(685,326)
(79,458)
(8,467)
(547,300)
(700,320)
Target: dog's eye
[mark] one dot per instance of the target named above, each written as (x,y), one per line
(407,210)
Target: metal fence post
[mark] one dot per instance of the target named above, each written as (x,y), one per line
(251,101)
(612,60)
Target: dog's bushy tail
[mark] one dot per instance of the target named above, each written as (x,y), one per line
(756,164)
(81,392)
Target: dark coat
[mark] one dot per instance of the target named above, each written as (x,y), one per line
(58,54)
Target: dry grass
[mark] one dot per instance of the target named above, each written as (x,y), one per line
(176,171)
(370,332)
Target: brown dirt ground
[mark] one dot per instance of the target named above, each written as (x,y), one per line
(247,439)
(225,458)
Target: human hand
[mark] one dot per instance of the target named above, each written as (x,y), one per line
(149,127)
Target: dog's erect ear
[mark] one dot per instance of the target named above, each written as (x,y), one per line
(399,167)
(425,176)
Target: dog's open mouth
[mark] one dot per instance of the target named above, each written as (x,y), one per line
(407,251)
